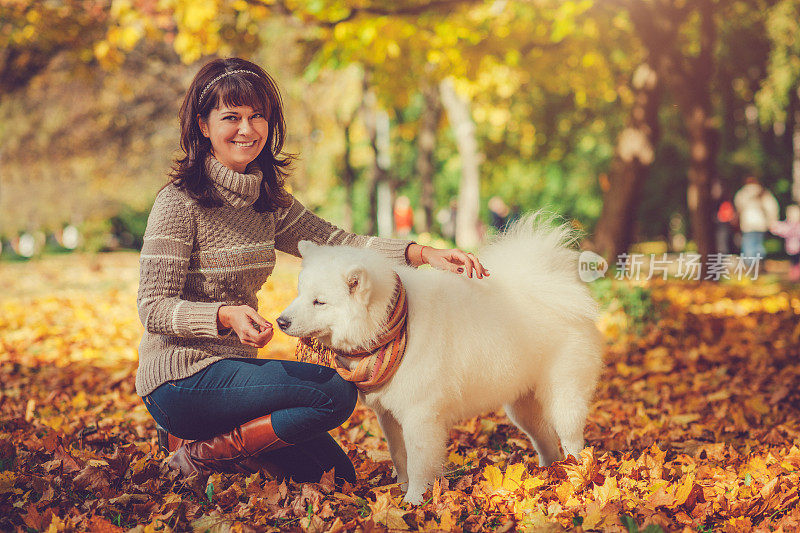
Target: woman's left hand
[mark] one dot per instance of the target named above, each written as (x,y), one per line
(454,260)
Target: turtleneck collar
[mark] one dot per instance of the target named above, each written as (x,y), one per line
(236,188)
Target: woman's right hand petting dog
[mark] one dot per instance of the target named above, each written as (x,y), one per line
(454,260)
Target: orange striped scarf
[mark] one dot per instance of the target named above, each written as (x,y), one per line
(374,367)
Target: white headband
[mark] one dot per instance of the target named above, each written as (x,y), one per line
(215,80)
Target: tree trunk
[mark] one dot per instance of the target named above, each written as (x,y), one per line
(349,178)
(702,154)
(426,143)
(458,112)
(383,161)
(377,174)
(696,100)
(634,154)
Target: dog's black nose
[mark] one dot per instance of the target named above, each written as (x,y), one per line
(283,323)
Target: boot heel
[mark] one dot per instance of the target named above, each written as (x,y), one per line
(163,439)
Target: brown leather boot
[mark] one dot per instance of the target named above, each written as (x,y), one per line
(235,451)
(167,442)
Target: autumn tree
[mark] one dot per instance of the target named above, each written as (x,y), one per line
(32,34)
(779,97)
(495,52)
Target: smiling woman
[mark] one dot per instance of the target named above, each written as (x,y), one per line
(208,248)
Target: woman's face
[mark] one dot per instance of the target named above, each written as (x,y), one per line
(237,134)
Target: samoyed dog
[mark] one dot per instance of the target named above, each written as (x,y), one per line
(523,338)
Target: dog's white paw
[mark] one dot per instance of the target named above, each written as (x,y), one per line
(415,493)
(415,497)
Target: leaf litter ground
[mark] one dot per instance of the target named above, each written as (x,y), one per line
(695,425)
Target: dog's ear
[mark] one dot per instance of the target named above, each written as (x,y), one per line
(358,283)
(305,247)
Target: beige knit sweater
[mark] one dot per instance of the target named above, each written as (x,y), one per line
(195,260)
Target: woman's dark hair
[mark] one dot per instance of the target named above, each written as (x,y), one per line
(254,88)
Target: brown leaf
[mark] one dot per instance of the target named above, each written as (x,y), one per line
(68,463)
(98,524)
(33,519)
(327,483)
(92,478)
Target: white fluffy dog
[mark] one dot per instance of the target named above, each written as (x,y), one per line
(524,338)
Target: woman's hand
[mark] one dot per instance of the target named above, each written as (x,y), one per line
(251,327)
(453,260)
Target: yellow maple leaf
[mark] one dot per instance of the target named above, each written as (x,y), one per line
(532,483)
(683,490)
(607,492)
(564,491)
(493,476)
(593,516)
(386,512)
(512,480)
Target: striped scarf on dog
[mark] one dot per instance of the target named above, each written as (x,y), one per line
(373,367)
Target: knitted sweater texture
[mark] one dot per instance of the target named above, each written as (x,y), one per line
(196,259)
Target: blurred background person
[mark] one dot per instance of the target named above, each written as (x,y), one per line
(498,213)
(403,216)
(757,209)
(789,230)
(725,226)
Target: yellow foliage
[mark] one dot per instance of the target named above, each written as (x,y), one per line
(7,480)
(493,476)
(678,446)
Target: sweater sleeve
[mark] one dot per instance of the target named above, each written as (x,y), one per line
(163,268)
(296,223)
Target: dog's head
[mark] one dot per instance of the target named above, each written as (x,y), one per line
(343,296)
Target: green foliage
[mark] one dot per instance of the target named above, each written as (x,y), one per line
(635,301)
(95,234)
(783,25)
(128,226)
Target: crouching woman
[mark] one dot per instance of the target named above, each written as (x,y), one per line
(208,248)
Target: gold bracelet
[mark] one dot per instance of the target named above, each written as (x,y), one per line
(421,258)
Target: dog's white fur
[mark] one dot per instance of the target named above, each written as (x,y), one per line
(524,338)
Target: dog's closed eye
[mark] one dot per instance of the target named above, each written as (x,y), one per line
(317,302)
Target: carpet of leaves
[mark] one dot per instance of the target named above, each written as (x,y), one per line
(695,426)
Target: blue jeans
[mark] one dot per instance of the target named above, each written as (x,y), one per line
(305,400)
(753,244)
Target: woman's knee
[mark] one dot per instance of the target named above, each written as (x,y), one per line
(345,396)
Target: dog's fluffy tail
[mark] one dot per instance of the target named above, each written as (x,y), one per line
(536,259)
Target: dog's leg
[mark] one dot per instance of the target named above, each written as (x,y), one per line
(526,413)
(566,410)
(397,446)
(425,440)
(566,391)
